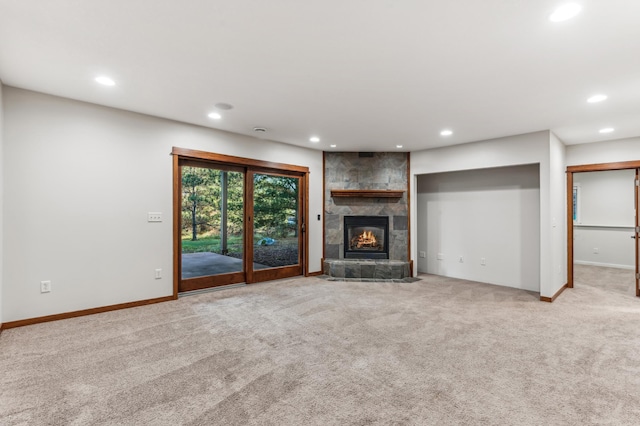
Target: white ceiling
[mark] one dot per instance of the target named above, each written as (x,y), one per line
(365,75)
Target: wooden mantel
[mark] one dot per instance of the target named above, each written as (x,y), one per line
(367,193)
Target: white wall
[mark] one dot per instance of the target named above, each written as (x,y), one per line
(81,179)
(491,214)
(533,148)
(599,246)
(1,195)
(604,152)
(606,219)
(557,250)
(606,198)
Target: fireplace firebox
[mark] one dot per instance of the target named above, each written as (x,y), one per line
(366,237)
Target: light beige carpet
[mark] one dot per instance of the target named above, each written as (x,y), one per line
(311,352)
(613,280)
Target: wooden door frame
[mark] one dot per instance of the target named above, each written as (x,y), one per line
(214,159)
(600,167)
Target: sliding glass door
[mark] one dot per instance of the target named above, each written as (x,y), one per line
(212,226)
(276,226)
(236,221)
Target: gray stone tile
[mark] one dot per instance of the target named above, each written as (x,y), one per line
(400,223)
(332,221)
(352,270)
(396,272)
(368,270)
(397,176)
(333,236)
(332,251)
(383,272)
(337,270)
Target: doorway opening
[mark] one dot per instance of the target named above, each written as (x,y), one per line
(237,220)
(602,222)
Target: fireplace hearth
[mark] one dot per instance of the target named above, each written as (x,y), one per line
(366,237)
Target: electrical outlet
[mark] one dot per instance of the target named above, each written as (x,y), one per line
(423,254)
(154,217)
(45,286)
(461,259)
(440,256)
(483,261)
(596,250)
(158,274)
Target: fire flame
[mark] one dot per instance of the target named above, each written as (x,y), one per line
(366,239)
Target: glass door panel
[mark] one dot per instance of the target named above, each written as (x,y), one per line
(212,226)
(277,226)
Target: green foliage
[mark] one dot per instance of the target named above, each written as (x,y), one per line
(212,244)
(202,201)
(275,205)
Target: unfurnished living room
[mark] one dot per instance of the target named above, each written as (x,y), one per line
(312,213)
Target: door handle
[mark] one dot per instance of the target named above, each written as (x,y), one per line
(633,236)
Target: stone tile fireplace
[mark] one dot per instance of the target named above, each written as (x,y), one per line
(363,186)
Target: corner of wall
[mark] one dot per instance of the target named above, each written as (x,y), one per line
(558,214)
(1,198)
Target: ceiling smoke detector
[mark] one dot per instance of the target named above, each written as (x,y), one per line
(259,129)
(224,106)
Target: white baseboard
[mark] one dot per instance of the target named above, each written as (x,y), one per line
(606,265)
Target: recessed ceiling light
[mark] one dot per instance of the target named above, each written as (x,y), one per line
(333,145)
(607,130)
(446,132)
(259,129)
(564,12)
(224,106)
(214,116)
(105,81)
(398,146)
(596,98)
(314,139)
